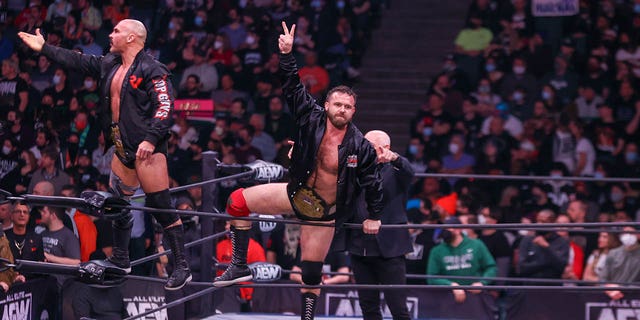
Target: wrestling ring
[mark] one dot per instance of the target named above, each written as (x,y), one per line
(556,295)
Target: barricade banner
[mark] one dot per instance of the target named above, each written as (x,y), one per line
(36,299)
(141,296)
(194,108)
(344,302)
(554,8)
(536,305)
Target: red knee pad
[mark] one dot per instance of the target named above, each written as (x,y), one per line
(237,205)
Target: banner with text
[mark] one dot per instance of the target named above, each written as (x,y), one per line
(554,8)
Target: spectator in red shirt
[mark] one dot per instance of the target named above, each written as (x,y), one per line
(314,77)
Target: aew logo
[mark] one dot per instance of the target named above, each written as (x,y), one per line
(265,272)
(141,304)
(267,226)
(613,310)
(266,172)
(17,306)
(346,304)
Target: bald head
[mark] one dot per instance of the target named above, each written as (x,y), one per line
(378,138)
(44,188)
(135,27)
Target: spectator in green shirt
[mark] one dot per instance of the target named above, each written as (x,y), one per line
(458,255)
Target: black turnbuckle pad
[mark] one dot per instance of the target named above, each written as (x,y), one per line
(102,203)
(101,273)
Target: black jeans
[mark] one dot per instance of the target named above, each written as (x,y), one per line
(379,270)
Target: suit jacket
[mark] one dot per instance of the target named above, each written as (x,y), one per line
(388,243)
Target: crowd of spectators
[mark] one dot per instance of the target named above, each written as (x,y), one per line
(223,51)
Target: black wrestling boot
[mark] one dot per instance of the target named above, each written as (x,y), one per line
(308,310)
(121,236)
(237,271)
(181,272)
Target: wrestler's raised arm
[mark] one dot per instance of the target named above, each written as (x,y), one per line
(285,42)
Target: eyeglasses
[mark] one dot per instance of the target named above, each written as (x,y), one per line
(21,211)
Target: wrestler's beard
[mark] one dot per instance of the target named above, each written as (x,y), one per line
(339,123)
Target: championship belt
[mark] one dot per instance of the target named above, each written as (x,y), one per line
(116,138)
(310,205)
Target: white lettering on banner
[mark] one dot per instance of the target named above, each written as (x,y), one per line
(140,304)
(164,101)
(554,8)
(614,310)
(264,272)
(17,306)
(341,304)
(269,173)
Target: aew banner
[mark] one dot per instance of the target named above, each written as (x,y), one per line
(141,296)
(572,305)
(344,302)
(36,299)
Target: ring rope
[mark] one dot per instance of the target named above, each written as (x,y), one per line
(187,245)
(515,226)
(522,177)
(198,184)
(436,287)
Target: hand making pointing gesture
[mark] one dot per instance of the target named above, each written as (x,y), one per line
(285,42)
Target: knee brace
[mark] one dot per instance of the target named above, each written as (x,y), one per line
(311,272)
(119,189)
(237,205)
(161,200)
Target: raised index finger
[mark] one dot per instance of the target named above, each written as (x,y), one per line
(284,27)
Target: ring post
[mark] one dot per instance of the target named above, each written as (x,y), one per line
(209,199)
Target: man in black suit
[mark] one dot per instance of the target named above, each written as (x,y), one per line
(379,259)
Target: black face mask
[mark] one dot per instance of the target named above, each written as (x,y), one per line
(446,236)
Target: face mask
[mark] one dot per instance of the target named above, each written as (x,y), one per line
(628,239)
(556,175)
(482,219)
(413,149)
(219,130)
(490,67)
(80,125)
(251,40)
(316,4)
(598,175)
(340,5)
(427,131)
(484,89)
(449,67)
(616,196)
(519,70)
(56,79)
(217,45)
(523,232)
(242,142)
(546,95)
(454,148)
(172,25)
(86,41)
(631,157)
(198,21)
(518,96)
(88,84)
(447,236)
(636,8)
(6,150)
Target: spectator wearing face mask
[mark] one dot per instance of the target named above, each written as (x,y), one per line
(519,77)
(458,255)
(622,263)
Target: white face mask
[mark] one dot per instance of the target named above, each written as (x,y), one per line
(217,45)
(219,130)
(523,232)
(482,219)
(56,79)
(6,150)
(454,148)
(628,239)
